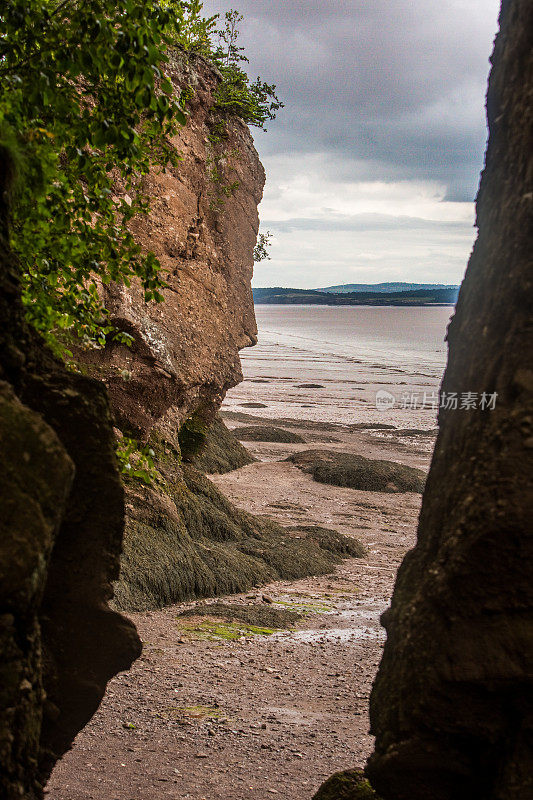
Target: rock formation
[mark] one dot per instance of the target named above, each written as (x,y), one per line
(61,531)
(183,538)
(203,228)
(452,705)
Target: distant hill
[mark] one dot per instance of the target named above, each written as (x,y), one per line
(384,287)
(416,297)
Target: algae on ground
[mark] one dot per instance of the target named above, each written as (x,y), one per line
(212,629)
(195,713)
(304,608)
(258,614)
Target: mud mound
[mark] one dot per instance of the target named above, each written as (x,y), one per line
(357,472)
(222,451)
(267,433)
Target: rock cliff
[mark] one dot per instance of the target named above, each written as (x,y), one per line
(202,227)
(452,705)
(183,538)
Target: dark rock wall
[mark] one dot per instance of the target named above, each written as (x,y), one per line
(452,706)
(62,521)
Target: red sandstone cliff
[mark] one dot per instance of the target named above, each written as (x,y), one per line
(203,227)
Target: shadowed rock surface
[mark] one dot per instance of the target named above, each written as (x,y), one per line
(452,705)
(358,472)
(62,524)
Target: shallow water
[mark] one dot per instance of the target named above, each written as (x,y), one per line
(351,352)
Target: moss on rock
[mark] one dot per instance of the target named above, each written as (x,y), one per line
(349,785)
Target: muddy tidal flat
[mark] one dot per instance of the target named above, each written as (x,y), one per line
(226,710)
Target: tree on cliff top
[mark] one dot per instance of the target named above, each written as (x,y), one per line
(84,103)
(86,111)
(254,102)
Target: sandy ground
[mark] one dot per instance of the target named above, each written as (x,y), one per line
(262,715)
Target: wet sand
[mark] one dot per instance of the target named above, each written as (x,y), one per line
(268,715)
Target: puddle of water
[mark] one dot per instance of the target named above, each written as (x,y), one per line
(333,635)
(363,624)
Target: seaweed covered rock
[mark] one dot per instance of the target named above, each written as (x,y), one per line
(267,433)
(257,614)
(221,451)
(347,546)
(190,541)
(452,705)
(349,785)
(357,472)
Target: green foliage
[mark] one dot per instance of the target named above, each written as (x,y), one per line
(82,91)
(262,247)
(137,462)
(217,165)
(85,112)
(255,103)
(194,30)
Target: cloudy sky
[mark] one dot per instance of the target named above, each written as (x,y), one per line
(373,164)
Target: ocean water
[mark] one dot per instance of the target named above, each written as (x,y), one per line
(352,353)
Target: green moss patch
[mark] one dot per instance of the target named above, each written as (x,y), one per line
(253,614)
(212,629)
(356,472)
(304,607)
(198,713)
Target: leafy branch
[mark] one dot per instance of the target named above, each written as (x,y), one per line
(84,95)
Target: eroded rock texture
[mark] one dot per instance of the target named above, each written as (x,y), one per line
(61,531)
(202,227)
(452,705)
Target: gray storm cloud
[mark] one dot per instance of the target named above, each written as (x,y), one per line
(381,90)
